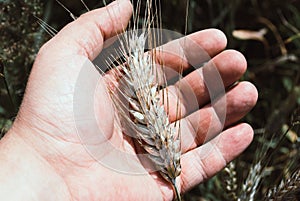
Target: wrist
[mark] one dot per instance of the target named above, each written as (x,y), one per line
(25,175)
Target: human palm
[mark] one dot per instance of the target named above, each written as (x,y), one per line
(70,120)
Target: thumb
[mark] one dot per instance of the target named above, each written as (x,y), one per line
(54,78)
(86,34)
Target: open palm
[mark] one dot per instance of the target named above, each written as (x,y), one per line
(71,122)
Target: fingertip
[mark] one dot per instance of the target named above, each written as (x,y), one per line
(253,92)
(245,133)
(237,59)
(112,19)
(236,140)
(249,91)
(212,40)
(220,37)
(231,64)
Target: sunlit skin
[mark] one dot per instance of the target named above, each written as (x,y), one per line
(42,157)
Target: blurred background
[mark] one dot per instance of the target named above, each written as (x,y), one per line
(266,32)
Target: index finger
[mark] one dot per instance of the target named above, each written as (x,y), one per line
(191,50)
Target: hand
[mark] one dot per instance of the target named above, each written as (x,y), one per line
(55,147)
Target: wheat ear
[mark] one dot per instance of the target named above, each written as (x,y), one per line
(146,116)
(251,183)
(230,180)
(285,189)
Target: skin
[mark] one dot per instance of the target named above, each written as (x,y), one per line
(43,157)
